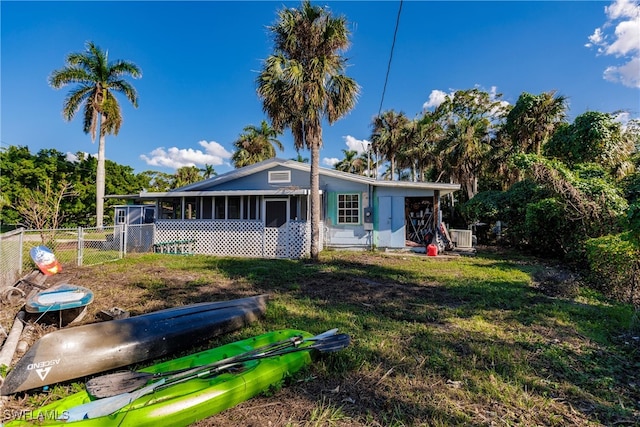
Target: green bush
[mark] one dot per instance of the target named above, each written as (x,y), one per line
(514,210)
(545,225)
(614,264)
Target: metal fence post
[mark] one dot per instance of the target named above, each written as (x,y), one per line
(125,237)
(80,245)
(21,246)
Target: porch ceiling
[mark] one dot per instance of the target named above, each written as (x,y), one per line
(277,192)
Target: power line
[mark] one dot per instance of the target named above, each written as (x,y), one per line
(386,79)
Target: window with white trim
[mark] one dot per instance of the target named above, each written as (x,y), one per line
(348,208)
(120,216)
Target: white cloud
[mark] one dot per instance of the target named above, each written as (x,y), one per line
(436,97)
(627,74)
(214,154)
(624,17)
(623,8)
(622,117)
(494,95)
(330,161)
(73,157)
(596,38)
(358,145)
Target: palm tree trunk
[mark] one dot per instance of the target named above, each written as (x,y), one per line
(100,176)
(393,167)
(313,138)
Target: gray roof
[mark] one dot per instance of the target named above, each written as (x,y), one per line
(305,167)
(203,187)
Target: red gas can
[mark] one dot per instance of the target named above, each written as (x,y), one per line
(432,250)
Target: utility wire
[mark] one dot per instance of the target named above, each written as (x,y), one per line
(386,79)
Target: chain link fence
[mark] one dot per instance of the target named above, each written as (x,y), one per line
(72,247)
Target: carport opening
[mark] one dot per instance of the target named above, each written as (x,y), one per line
(419,220)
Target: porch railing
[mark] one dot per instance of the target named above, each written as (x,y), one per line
(242,238)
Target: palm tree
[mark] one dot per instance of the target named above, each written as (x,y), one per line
(351,163)
(533,119)
(208,171)
(255,145)
(387,136)
(299,157)
(407,150)
(98,80)
(303,82)
(469,119)
(429,133)
(186,175)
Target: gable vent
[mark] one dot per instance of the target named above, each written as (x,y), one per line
(279,177)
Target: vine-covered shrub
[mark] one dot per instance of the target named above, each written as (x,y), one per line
(514,210)
(614,266)
(545,226)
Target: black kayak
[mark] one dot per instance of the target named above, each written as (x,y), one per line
(79,351)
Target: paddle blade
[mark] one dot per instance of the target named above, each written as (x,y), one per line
(117,383)
(329,333)
(104,407)
(332,344)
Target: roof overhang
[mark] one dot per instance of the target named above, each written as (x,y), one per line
(443,188)
(174,194)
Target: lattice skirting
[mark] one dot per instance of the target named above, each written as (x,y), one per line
(238,238)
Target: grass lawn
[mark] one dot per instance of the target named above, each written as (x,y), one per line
(435,341)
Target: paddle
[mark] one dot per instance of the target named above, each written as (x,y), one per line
(126,381)
(109,405)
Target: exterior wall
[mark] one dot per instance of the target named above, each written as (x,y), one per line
(132,214)
(390,226)
(337,234)
(260,181)
(389,222)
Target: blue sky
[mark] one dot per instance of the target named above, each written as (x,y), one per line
(200,60)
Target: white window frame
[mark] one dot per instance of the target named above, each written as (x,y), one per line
(121,216)
(353,212)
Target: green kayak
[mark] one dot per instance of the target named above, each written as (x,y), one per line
(181,403)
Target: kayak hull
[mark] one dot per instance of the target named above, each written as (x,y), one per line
(80,351)
(185,403)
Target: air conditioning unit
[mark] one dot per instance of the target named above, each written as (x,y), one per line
(461,238)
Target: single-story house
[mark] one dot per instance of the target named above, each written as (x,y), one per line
(263,210)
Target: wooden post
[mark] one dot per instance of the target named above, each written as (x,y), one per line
(436,211)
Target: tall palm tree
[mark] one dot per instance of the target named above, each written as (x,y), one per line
(208,171)
(97,80)
(186,175)
(407,150)
(387,136)
(429,133)
(351,163)
(370,165)
(255,145)
(469,119)
(533,119)
(300,158)
(303,82)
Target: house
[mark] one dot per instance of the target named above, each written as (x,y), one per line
(263,210)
